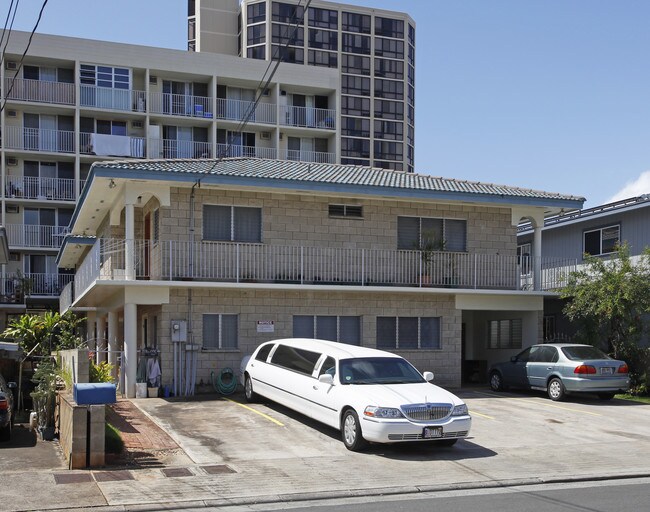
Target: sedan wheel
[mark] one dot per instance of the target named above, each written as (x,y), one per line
(606,396)
(251,396)
(556,390)
(351,431)
(496,381)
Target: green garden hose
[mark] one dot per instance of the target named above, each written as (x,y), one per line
(225,386)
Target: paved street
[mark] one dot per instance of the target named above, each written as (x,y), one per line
(235,453)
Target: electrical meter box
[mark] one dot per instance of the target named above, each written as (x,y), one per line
(179,331)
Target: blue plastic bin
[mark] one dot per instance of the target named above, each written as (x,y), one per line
(94,393)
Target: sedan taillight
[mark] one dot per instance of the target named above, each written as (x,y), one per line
(4,404)
(623,369)
(585,369)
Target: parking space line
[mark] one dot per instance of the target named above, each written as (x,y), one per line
(273,420)
(540,403)
(474,413)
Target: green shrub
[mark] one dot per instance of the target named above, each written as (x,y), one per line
(113,440)
(101,372)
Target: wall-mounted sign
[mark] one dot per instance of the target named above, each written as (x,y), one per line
(265,326)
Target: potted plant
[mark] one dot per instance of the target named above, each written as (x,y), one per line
(428,245)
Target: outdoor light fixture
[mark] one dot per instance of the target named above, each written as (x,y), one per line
(112,184)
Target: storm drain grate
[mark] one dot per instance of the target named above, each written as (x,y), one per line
(217,469)
(72,478)
(176,472)
(112,476)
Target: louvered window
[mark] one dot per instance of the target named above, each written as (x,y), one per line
(232,223)
(344,329)
(408,333)
(220,332)
(505,333)
(437,234)
(346,210)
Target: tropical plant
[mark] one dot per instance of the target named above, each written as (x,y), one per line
(102,372)
(45,333)
(46,377)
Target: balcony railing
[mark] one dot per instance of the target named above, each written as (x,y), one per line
(225,150)
(112,145)
(112,99)
(40,91)
(238,110)
(172,148)
(48,285)
(185,105)
(243,262)
(308,117)
(33,235)
(39,139)
(308,156)
(29,187)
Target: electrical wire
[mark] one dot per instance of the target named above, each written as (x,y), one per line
(4,29)
(22,58)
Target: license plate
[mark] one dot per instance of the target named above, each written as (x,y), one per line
(432,432)
(607,371)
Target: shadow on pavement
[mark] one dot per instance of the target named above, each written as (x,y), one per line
(21,437)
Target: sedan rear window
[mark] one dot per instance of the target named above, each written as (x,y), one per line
(582,353)
(378,370)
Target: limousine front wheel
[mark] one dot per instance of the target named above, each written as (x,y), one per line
(351,431)
(251,396)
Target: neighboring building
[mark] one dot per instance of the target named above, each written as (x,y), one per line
(373,51)
(568,236)
(204,260)
(74,101)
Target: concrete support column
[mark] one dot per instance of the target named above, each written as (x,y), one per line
(91,327)
(537,257)
(129,213)
(113,345)
(130,361)
(101,339)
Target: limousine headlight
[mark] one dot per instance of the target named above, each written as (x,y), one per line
(382,412)
(460,410)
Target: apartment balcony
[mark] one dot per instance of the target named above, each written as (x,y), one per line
(39,91)
(180,105)
(308,117)
(125,100)
(173,148)
(313,266)
(15,287)
(238,110)
(38,139)
(34,235)
(308,156)
(230,150)
(112,145)
(29,187)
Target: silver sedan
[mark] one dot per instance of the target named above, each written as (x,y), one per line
(561,369)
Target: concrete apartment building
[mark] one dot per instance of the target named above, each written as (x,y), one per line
(74,101)
(203,260)
(373,51)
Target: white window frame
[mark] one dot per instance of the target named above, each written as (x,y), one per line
(232,223)
(220,340)
(444,229)
(600,230)
(514,334)
(338,326)
(419,347)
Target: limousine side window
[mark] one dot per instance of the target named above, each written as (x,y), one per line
(328,367)
(263,353)
(296,359)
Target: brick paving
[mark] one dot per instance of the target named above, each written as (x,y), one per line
(139,433)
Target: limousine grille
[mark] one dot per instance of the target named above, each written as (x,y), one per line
(427,412)
(416,437)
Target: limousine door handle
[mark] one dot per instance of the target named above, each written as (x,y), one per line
(315,387)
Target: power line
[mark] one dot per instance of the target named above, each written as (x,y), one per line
(6,21)
(22,58)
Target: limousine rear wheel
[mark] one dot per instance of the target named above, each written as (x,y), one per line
(251,396)
(351,431)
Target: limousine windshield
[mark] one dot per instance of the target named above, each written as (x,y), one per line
(378,370)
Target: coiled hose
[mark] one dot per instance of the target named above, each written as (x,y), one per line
(224,383)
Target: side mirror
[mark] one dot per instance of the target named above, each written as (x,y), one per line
(513,359)
(326,378)
(428,376)
(12,385)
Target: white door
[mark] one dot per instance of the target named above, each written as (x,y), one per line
(48,133)
(184,141)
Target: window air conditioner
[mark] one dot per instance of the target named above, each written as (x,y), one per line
(12,161)
(136,124)
(14,256)
(153,79)
(12,208)
(281,135)
(266,92)
(265,135)
(12,113)
(283,93)
(10,64)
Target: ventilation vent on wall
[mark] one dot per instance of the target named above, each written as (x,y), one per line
(12,208)
(265,135)
(11,160)
(136,124)
(153,79)
(11,65)
(12,113)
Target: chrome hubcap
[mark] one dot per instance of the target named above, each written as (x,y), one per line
(554,388)
(349,429)
(496,381)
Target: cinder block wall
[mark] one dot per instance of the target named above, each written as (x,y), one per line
(77,362)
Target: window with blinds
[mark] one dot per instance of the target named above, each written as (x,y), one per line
(444,234)
(344,329)
(232,223)
(408,333)
(220,332)
(505,333)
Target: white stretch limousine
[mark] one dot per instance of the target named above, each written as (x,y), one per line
(370,395)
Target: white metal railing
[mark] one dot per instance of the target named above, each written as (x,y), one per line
(231,150)
(49,285)
(308,117)
(242,262)
(173,148)
(38,139)
(32,187)
(40,91)
(112,99)
(66,296)
(34,235)
(112,145)
(238,110)
(308,156)
(186,105)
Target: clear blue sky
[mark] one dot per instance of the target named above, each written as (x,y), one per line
(545,94)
